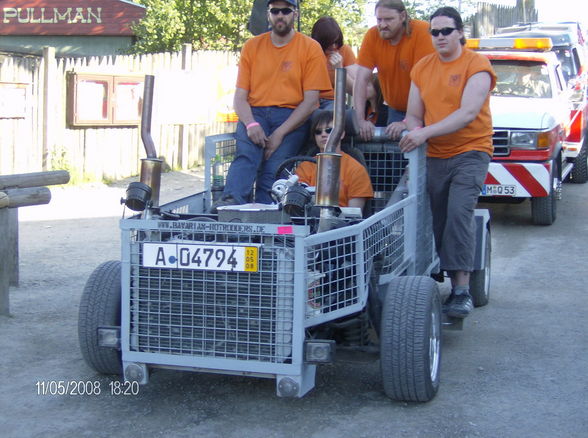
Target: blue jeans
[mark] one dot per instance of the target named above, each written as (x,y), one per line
(395,115)
(249,165)
(326,104)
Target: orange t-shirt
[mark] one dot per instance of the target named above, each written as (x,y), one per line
(354,181)
(348,59)
(394,63)
(279,76)
(441,86)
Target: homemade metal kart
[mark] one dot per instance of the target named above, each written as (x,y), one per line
(271,291)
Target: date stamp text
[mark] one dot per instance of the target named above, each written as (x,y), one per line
(86,387)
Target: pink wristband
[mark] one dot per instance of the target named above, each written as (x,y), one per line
(251,125)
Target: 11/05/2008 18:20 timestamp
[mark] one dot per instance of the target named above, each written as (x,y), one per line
(86,387)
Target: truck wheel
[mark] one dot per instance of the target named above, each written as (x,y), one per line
(410,339)
(544,209)
(480,279)
(580,169)
(100,306)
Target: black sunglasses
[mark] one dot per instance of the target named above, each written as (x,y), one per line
(284,11)
(444,31)
(320,131)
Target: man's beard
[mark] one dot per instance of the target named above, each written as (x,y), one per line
(283,31)
(388,36)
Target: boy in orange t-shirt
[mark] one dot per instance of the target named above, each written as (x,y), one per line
(450,96)
(355,186)
(281,73)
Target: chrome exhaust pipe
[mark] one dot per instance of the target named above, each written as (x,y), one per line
(329,161)
(145,193)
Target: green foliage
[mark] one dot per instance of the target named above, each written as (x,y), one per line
(422,9)
(60,161)
(222,24)
(161,29)
(348,13)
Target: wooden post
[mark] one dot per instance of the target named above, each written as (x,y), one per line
(19,191)
(183,133)
(12,245)
(48,102)
(4,267)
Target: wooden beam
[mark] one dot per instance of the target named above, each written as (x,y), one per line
(27,196)
(34,179)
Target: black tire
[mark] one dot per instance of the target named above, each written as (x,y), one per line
(410,339)
(480,279)
(100,306)
(544,209)
(580,170)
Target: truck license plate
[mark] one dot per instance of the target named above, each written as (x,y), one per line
(499,190)
(201,257)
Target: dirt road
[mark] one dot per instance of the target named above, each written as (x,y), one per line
(517,369)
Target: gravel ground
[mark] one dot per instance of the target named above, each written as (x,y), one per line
(516,370)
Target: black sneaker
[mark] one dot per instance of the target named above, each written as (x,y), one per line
(448,302)
(458,306)
(225,200)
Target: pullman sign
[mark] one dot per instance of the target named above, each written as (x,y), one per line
(69,17)
(51,15)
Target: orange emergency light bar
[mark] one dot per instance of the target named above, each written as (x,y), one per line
(509,43)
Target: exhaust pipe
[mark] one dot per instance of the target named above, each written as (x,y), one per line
(145,193)
(329,162)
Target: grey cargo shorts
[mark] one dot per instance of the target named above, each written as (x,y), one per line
(454,185)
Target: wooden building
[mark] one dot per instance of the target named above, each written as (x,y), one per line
(73,27)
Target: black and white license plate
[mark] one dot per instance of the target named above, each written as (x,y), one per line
(201,257)
(499,190)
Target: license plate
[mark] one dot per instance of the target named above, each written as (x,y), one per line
(499,190)
(201,257)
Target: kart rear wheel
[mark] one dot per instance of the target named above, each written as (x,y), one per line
(410,339)
(480,279)
(100,306)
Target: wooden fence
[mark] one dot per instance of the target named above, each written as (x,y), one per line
(193,85)
(491,17)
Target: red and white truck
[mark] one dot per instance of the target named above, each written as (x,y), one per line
(538,120)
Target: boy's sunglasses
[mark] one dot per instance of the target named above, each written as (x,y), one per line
(284,11)
(320,131)
(444,31)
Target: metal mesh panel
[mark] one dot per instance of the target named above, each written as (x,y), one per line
(332,277)
(386,238)
(238,315)
(386,165)
(224,149)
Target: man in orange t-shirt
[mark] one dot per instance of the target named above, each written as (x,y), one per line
(281,73)
(393,46)
(449,107)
